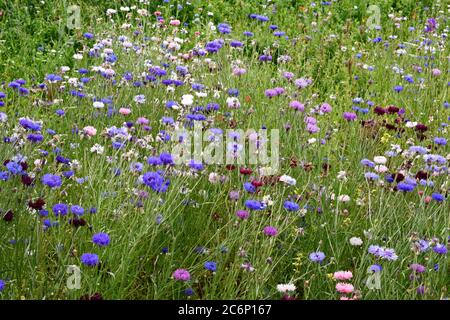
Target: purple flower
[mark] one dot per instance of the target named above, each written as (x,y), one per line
(60,209)
(155,181)
(254,205)
(440,249)
(101,239)
(2,285)
(350,116)
(325,108)
(181,275)
(14,167)
(250,188)
(77,210)
(317,256)
(51,180)
(438,197)
(290,206)
(89,259)
(242,214)
(270,231)
(405,187)
(417,268)
(210,265)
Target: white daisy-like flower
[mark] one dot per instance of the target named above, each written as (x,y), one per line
(284,288)
(356,241)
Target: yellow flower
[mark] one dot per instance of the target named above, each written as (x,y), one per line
(385,138)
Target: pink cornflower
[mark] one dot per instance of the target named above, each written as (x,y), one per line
(343,275)
(142,120)
(344,287)
(90,131)
(297,105)
(124,111)
(181,275)
(325,108)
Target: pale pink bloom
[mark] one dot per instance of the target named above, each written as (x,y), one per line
(124,111)
(90,131)
(428,199)
(239,71)
(175,22)
(343,275)
(142,120)
(342,287)
(436,72)
(344,298)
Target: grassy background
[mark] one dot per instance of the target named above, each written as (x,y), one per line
(34,42)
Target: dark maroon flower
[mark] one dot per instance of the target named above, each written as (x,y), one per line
(422,175)
(246,171)
(379,110)
(37,205)
(24,166)
(390,126)
(288,297)
(257,184)
(27,180)
(9,215)
(77,222)
(393,109)
(95,296)
(399,177)
(421,127)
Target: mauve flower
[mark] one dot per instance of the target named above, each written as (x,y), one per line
(342,275)
(181,275)
(270,231)
(350,116)
(242,214)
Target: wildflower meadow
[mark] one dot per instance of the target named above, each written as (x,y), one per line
(202,150)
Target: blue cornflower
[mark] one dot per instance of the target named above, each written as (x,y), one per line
(210,265)
(290,206)
(367,163)
(101,239)
(438,197)
(317,256)
(154,161)
(371,176)
(405,187)
(51,180)
(440,249)
(249,187)
(14,167)
(156,181)
(440,141)
(189,291)
(89,259)
(254,205)
(77,210)
(60,209)
(4,175)
(197,166)
(166,158)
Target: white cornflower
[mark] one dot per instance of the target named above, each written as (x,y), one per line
(283,288)
(356,241)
